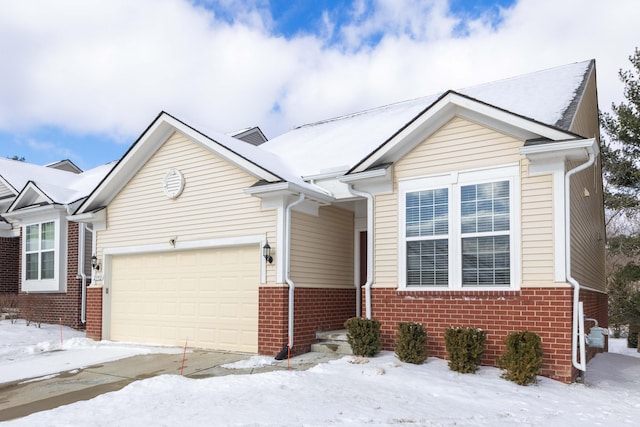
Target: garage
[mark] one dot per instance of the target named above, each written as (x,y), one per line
(208,296)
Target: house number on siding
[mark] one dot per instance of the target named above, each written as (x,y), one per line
(173,183)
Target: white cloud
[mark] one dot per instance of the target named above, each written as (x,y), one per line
(110,67)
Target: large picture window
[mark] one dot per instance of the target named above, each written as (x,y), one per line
(458,233)
(40,251)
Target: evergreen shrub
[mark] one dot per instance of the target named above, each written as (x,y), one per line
(522,358)
(411,343)
(632,339)
(464,346)
(363,336)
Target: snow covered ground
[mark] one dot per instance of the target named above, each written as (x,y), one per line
(358,392)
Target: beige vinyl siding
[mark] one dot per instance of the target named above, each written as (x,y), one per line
(587,221)
(322,248)
(212,205)
(586,122)
(386,240)
(459,145)
(537,228)
(587,228)
(463,145)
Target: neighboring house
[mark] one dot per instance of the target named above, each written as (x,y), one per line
(43,253)
(479,207)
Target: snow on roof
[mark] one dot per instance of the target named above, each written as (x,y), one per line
(59,185)
(268,161)
(543,96)
(335,145)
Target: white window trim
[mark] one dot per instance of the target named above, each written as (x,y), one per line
(58,283)
(453,181)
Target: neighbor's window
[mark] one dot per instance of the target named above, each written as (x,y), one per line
(40,251)
(458,235)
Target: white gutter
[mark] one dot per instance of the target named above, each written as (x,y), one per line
(577,333)
(287,269)
(370,235)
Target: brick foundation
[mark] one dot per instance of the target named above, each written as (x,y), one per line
(546,311)
(315,310)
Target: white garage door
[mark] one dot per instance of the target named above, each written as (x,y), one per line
(209,297)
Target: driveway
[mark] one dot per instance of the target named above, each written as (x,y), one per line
(24,397)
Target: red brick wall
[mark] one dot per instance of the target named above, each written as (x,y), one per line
(94,313)
(65,307)
(546,311)
(9,265)
(315,310)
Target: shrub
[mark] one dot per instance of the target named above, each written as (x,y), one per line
(464,348)
(522,359)
(363,336)
(411,343)
(632,340)
(34,308)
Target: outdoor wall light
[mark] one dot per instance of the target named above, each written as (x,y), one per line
(94,263)
(266,253)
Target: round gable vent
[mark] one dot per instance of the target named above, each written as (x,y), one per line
(173,183)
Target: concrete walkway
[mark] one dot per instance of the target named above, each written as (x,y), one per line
(21,398)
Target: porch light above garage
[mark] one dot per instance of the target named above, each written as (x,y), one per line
(94,263)
(266,253)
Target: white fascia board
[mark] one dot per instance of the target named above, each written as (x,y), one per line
(146,146)
(287,188)
(134,159)
(98,219)
(428,122)
(452,105)
(519,124)
(567,150)
(221,150)
(34,212)
(30,188)
(375,181)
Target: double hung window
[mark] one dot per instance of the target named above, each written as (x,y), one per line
(40,251)
(458,231)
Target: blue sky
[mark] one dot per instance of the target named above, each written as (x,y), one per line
(87,78)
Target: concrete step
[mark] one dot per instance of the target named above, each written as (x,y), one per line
(339,335)
(332,347)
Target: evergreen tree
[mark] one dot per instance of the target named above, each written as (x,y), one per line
(620,155)
(621,169)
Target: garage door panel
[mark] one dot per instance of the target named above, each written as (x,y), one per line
(208,296)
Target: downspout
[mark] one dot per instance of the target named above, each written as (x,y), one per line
(81,244)
(368,283)
(577,333)
(287,271)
